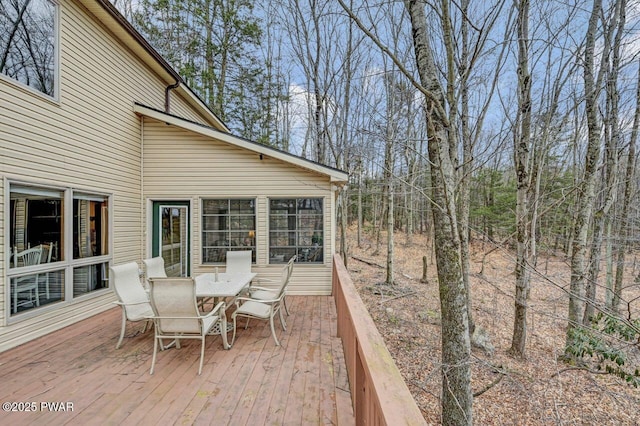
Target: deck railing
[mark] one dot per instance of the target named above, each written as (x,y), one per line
(379,394)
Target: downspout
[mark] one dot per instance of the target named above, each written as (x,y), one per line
(166,95)
(143,208)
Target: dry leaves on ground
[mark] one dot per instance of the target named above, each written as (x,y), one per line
(539,390)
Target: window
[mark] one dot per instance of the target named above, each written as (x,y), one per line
(90,220)
(227,224)
(28,43)
(35,238)
(295,228)
(39,261)
(90,239)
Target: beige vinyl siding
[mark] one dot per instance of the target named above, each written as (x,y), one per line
(88,139)
(3,263)
(179,164)
(116,74)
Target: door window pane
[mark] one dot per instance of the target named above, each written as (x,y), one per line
(175,239)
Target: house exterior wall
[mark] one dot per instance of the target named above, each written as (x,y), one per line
(182,165)
(88,139)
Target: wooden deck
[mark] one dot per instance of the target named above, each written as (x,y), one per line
(255,382)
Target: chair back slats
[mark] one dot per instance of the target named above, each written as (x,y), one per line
(28,257)
(238,261)
(174,302)
(47,252)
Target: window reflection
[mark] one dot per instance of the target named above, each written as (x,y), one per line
(227,224)
(90,221)
(36,219)
(28,43)
(296,228)
(36,237)
(90,278)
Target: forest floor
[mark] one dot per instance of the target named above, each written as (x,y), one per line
(539,390)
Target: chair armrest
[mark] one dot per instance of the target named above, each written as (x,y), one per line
(178,318)
(144,302)
(220,307)
(253,287)
(265,301)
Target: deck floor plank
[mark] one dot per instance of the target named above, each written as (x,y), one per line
(267,392)
(255,382)
(295,399)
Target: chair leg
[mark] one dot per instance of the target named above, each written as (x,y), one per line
(273,331)
(283,323)
(233,338)
(223,331)
(286,308)
(155,351)
(201,357)
(122,329)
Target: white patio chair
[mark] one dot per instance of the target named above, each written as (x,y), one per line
(132,298)
(265,308)
(28,283)
(154,268)
(239,262)
(262,293)
(176,315)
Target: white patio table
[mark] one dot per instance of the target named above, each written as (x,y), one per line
(226,285)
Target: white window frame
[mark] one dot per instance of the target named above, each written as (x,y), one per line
(56,66)
(297,247)
(202,229)
(68,264)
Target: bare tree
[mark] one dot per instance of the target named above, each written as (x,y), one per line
(602,221)
(614,295)
(457,399)
(522,167)
(584,209)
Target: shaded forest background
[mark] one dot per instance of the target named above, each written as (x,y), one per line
(506,125)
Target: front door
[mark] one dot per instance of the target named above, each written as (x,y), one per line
(171,231)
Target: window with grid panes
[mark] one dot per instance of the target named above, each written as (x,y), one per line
(227,224)
(296,228)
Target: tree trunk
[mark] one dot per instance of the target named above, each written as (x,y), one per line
(360,222)
(609,181)
(584,206)
(521,150)
(467,165)
(457,398)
